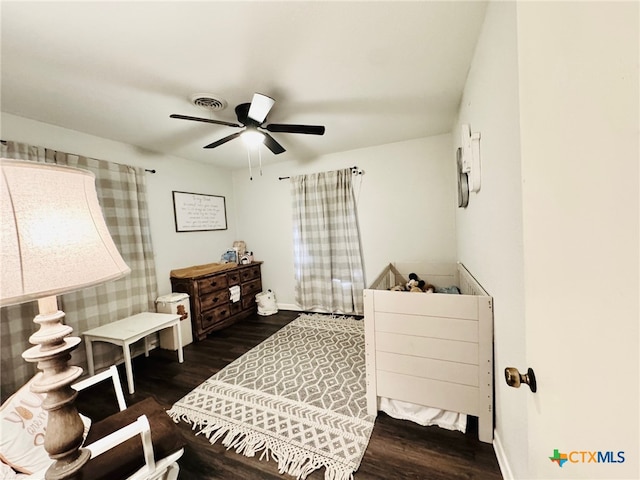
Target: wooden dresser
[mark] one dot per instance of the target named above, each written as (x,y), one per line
(210,296)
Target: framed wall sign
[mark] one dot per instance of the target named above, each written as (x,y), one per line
(197,212)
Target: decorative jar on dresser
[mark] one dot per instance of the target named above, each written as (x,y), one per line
(220,293)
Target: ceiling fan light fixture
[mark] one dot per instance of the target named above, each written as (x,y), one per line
(252,138)
(260,107)
(251,117)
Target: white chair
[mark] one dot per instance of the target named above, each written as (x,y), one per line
(165,468)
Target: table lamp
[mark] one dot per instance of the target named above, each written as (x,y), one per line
(54,241)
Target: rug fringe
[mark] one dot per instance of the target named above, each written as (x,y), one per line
(291,460)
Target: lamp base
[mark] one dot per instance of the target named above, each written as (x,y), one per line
(52,352)
(67,468)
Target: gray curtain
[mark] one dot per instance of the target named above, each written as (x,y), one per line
(326,238)
(122,195)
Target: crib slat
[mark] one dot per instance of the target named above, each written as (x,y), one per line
(453,372)
(432,393)
(439,305)
(450,350)
(428,326)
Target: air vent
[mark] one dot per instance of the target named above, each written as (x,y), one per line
(208,101)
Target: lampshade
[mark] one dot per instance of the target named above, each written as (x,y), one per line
(54,237)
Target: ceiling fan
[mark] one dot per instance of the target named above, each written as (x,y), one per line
(252,117)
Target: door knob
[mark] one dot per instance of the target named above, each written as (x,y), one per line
(514,378)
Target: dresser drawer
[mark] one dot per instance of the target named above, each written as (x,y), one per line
(235,307)
(211,317)
(233,278)
(250,273)
(214,299)
(252,287)
(211,284)
(248,301)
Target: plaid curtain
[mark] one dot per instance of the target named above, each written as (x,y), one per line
(122,195)
(326,243)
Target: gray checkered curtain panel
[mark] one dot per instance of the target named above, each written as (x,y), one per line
(326,243)
(122,195)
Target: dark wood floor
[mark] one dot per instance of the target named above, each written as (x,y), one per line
(398,449)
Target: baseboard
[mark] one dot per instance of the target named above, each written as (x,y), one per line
(503,463)
(295,308)
(289,306)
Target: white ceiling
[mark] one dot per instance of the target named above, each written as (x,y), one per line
(371,72)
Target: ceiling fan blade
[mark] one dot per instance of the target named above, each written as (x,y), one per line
(223,140)
(272,145)
(260,107)
(291,128)
(205,120)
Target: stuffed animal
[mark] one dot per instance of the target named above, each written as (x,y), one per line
(416,285)
(413,281)
(428,288)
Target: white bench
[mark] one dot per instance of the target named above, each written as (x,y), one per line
(129,330)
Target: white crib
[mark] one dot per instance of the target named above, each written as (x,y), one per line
(431,349)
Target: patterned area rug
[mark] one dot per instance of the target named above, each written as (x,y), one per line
(298,397)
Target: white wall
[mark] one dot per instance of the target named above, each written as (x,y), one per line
(172,250)
(489,230)
(406,203)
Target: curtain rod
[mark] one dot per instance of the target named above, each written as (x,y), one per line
(354,170)
(4,142)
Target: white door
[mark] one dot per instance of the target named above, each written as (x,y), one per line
(579,140)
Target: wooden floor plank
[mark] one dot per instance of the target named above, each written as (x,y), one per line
(398,449)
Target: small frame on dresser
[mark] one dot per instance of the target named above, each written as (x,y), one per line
(198,212)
